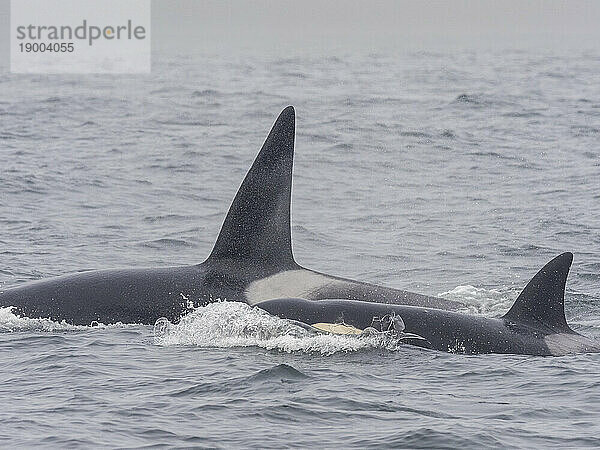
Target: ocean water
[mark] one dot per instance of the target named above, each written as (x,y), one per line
(457,174)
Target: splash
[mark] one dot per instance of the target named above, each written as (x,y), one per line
(489,302)
(11,322)
(232,324)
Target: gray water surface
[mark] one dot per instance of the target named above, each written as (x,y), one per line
(452,174)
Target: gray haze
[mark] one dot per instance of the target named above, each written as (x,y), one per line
(317,26)
(339,27)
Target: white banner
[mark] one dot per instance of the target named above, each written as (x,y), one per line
(80,36)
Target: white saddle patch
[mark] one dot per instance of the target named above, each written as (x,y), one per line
(565,344)
(291,283)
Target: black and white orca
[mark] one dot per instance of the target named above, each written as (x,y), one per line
(251,262)
(535,325)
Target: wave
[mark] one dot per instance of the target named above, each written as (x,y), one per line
(166,243)
(206,93)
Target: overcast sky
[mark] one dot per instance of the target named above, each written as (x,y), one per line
(334,26)
(319,25)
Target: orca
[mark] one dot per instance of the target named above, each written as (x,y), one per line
(251,261)
(535,325)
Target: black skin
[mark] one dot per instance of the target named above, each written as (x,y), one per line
(442,330)
(128,296)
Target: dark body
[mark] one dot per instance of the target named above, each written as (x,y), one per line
(535,325)
(442,330)
(251,261)
(127,296)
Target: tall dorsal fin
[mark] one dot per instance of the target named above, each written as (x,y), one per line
(542,302)
(257,226)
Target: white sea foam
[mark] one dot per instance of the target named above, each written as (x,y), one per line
(10,322)
(233,324)
(489,302)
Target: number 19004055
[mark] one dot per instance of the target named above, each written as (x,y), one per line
(59,47)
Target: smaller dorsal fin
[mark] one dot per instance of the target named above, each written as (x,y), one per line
(542,302)
(257,226)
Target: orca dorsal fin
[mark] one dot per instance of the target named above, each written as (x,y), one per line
(257,226)
(542,302)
